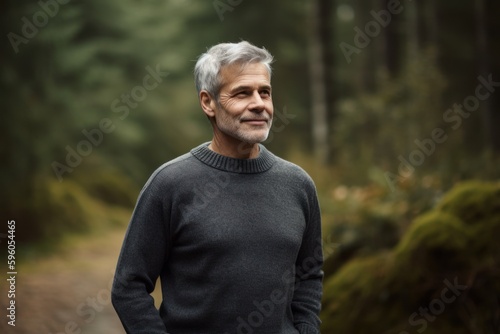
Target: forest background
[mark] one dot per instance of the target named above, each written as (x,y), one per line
(391,106)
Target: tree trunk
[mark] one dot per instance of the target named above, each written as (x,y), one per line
(320,63)
(392,45)
(490,118)
(366,75)
(412,31)
(432,25)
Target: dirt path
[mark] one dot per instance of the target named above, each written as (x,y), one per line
(69,292)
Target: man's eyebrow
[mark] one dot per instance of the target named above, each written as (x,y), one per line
(243,88)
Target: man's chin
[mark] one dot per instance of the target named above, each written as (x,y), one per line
(255,140)
(247,143)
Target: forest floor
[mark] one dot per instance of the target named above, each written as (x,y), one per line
(68,291)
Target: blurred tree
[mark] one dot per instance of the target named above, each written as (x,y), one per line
(321,71)
(78,69)
(490,118)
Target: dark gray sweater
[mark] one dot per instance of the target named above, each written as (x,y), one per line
(236,244)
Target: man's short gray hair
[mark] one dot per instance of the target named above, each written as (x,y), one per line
(208,67)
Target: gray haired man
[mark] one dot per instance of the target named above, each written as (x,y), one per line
(232,231)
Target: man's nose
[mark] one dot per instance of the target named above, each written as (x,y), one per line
(257,104)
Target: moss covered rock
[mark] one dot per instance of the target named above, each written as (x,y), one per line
(436,242)
(477,204)
(442,276)
(356,297)
(472,202)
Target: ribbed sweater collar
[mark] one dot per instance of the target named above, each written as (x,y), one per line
(245,166)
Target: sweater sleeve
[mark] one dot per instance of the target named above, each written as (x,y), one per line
(140,263)
(306,302)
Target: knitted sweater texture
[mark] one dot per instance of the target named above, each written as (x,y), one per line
(236,244)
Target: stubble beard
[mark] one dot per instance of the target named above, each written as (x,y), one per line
(246,136)
(236,129)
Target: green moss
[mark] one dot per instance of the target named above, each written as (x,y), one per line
(460,233)
(456,242)
(435,242)
(472,202)
(356,296)
(477,204)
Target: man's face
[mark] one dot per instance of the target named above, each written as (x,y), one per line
(245,108)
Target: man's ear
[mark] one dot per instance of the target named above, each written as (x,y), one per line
(207,103)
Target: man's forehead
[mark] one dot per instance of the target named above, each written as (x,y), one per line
(245,72)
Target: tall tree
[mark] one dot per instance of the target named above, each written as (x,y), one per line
(490,116)
(412,29)
(432,24)
(321,67)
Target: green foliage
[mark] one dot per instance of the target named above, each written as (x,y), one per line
(109,186)
(381,292)
(46,209)
(72,208)
(473,202)
(359,221)
(373,129)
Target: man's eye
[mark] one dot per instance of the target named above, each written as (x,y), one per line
(265,93)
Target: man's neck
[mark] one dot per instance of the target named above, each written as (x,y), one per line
(235,149)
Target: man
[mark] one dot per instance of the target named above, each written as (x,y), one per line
(233,231)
